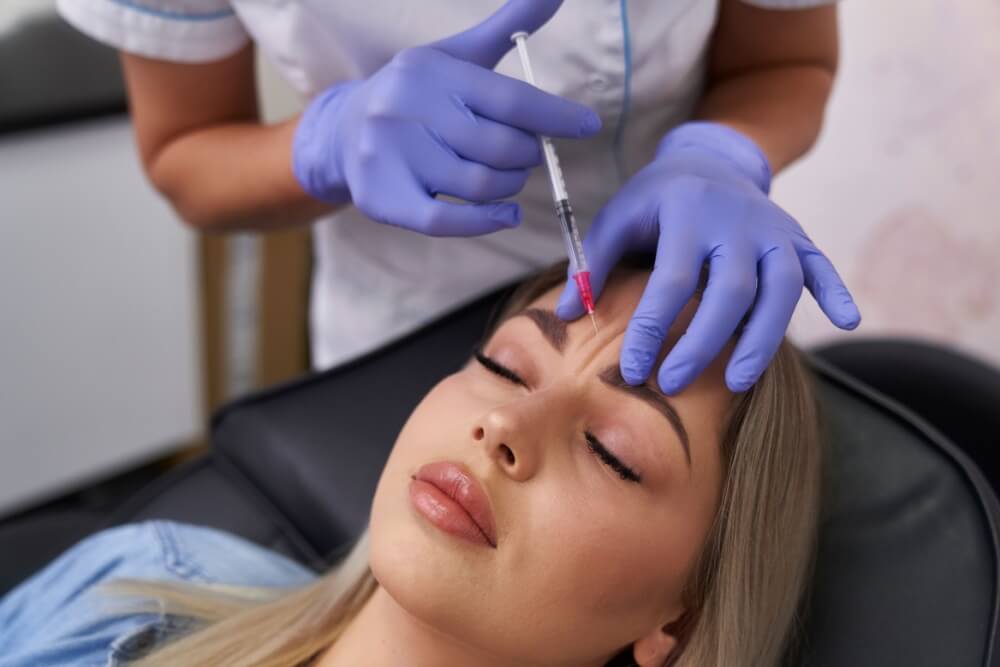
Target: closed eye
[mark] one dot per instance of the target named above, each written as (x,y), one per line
(497,369)
(593,444)
(610,459)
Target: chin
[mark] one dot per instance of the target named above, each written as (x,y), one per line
(418,577)
(457,589)
(430,574)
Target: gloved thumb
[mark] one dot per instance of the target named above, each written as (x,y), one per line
(485,44)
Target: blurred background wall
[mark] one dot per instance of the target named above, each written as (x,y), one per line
(99,365)
(120,329)
(902,188)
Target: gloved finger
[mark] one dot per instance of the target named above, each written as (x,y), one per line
(486,43)
(494,144)
(472,181)
(521,105)
(605,243)
(442,218)
(732,284)
(826,286)
(671,285)
(779,289)
(412,208)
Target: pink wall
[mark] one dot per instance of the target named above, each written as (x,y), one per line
(903,188)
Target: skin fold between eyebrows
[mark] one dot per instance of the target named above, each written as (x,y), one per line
(555,331)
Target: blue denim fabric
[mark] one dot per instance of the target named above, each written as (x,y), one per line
(58,618)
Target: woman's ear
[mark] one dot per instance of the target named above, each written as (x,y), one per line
(653,649)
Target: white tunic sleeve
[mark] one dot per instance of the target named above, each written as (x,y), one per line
(789,4)
(175,30)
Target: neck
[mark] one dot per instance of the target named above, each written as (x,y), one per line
(383,634)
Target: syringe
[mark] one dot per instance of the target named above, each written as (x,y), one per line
(567,221)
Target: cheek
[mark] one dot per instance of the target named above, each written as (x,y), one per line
(611,565)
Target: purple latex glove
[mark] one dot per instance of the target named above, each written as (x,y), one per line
(437,120)
(704,197)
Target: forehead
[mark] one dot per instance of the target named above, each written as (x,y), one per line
(615,307)
(617,301)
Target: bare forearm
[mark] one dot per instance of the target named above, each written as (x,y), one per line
(235,176)
(780,108)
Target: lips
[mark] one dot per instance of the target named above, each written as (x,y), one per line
(454,501)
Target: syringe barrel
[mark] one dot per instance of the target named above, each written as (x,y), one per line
(571,236)
(555,171)
(551,160)
(567,222)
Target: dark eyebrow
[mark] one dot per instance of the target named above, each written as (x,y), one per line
(554,330)
(612,377)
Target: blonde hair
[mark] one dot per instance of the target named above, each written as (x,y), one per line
(742,599)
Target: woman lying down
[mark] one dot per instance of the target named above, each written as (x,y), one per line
(535,510)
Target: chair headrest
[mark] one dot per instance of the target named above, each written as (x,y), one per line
(906,572)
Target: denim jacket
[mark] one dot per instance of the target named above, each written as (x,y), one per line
(57,618)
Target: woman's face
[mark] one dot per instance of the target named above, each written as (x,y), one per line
(592,548)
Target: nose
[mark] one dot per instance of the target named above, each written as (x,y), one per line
(502,434)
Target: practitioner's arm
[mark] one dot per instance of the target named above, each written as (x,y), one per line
(770,75)
(205,149)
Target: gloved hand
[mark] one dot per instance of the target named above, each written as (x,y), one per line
(437,119)
(704,197)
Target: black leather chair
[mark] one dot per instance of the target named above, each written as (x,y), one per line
(958,395)
(907,567)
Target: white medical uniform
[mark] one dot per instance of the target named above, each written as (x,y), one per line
(640,64)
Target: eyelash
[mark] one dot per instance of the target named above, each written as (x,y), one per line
(497,369)
(593,444)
